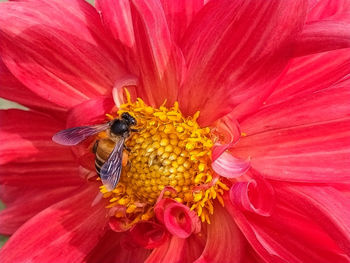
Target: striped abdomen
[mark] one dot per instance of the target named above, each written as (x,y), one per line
(102,150)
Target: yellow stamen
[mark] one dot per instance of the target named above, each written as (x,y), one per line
(168,150)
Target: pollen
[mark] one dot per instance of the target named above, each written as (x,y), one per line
(168,157)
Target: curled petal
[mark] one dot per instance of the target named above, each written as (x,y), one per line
(256,196)
(119,224)
(128,82)
(230,167)
(229,129)
(167,188)
(148,234)
(177,218)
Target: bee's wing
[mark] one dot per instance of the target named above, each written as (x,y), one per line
(111,170)
(75,135)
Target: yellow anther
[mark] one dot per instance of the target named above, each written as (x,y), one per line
(197,196)
(131,208)
(179,129)
(190,146)
(201,167)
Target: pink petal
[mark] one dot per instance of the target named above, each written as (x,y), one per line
(128,82)
(228,133)
(116,17)
(288,235)
(13,90)
(27,204)
(305,139)
(148,234)
(62,60)
(229,166)
(323,36)
(59,233)
(227,54)
(225,242)
(109,250)
(255,195)
(312,73)
(177,218)
(179,15)
(160,62)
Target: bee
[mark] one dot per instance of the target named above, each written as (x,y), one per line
(108,151)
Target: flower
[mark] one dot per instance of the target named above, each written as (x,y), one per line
(242,148)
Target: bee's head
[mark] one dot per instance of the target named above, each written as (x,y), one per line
(129,119)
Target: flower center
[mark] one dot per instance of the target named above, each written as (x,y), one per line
(169,156)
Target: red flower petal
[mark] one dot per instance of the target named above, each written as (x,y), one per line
(330,10)
(290,234)
(68,231)
(116,17)
(177,250)
(90,112)
(62,60)
(312,73)
(30,172)
(326,206)
(179,15)
(160,62)
(232,49)
(109,250)
(305,139)
(13,90)
(25,134)
(225,242)
(148,234)
(27,204)
(322,36)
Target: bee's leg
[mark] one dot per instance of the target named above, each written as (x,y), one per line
(94,148)
(127,148)
(135,130)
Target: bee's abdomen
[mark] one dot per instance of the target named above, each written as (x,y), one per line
(103,149)
(98,164)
